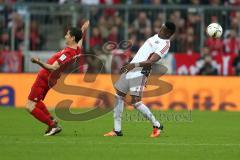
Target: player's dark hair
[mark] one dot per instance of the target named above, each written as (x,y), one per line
(74,32)
(170,26)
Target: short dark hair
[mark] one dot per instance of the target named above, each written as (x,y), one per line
(170,26)
(77,33)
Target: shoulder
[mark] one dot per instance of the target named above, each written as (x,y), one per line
(165,42)
(67,51)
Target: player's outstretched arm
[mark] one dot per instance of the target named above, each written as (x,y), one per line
(83,29)
(153,59)
(49,67)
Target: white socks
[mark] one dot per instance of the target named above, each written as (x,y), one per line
(117,113)
(146,113)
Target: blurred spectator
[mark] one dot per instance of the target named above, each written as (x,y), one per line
(141,23)
(195,2)
(193,20)
(232,43)
(4,40)
(186,41)
(102,25)
(8,1)
(120,58)
(205,56)
(109,11)
(207,67)
(36,39)
(96,39)
(156,2)
(157,25)
(18,26)
(215,2)
(236,65)
(114,36)
(215,45)
(232,2)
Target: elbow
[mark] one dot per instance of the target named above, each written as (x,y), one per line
(149,64)
(53,68)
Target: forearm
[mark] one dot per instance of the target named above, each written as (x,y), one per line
(46,66)
(147,63)
(80,43)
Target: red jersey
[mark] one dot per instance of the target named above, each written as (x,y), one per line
(46,79)
(63,57)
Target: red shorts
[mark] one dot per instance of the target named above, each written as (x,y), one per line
(39,89)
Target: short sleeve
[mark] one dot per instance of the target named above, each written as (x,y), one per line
(64,57)
(163,49)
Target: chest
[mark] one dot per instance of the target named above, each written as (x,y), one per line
(155,43)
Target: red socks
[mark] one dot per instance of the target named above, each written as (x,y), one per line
(42,107)
(42,116)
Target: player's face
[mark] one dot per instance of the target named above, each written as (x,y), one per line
(69,39)
(164,31)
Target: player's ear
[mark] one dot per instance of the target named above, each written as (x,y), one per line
(73,38)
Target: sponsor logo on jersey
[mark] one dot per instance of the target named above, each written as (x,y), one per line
(63,57)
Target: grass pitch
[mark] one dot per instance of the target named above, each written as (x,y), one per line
(208,135)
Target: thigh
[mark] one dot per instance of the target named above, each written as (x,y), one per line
(39,90)
(137,85)
(122,84)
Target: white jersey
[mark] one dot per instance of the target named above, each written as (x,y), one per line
(152,45)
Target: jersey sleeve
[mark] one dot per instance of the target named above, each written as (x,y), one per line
(163,49)
(64,58)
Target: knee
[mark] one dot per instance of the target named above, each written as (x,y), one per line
(136,101)
(119,97)
(30,106)
(120,94)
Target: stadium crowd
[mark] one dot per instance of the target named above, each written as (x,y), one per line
(109,25)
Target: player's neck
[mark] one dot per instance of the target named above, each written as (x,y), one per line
(162,36)
(73,46)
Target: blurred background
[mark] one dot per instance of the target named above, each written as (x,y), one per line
(201,70)
(118,28)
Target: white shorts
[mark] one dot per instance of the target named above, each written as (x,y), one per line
(134,85)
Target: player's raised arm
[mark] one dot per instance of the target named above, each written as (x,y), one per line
(49,67)
(83,29)
(153,59)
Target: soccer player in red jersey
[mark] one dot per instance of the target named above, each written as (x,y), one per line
(42,84)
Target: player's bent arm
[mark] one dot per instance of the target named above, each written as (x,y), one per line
(49,67)
(153,59)
(148,63)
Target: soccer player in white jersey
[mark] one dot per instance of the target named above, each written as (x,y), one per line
(134,76)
